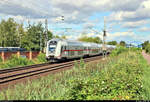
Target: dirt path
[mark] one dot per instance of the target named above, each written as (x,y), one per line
(146,56)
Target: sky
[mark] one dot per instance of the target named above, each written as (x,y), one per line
(126,20)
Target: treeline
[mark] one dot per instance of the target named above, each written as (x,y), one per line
(31,37)
(146,46)
(13,34)
(90,39)
(121,43)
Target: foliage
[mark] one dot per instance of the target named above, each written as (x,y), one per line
(13,34)
(10,33)
(120,80)
(14,61)
(121,49)
(1,59)
(34,34)
(122,43)
(145,44)
(124,77)
(41,58)
(147,48)
(60,37)
(112,43)
(118,50)
(90,39)
(146,81)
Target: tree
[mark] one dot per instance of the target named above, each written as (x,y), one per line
(63,37)
(50,35)
(21,34)
(112,43)
(9,33)
(60,37)
(145,44)
(34,36)
(122,43)
(90,39)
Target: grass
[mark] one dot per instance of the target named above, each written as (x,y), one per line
(14,61)
(124,76)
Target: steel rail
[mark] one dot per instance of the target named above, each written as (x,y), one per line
(46,69)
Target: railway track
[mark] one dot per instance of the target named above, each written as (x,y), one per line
(15,75)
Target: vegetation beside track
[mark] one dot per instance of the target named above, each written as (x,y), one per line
(122,76)
(14,61)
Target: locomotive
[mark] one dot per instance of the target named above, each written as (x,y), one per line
(60,49)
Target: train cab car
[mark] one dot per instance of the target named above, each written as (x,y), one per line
(52,49)
(59,49)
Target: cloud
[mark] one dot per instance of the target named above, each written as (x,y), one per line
(134,24)
(141,13)
(126,14)
(88,25)
(79,9)
(126,36)
(144,29)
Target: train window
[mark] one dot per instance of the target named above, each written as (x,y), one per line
(61,48)
(53,42)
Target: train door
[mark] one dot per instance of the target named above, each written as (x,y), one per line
(64,51)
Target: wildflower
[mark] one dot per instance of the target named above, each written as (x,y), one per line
(127,97)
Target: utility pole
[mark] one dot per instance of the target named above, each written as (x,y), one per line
(40,41)
(104,39)
(20,39)
(46,34)
(29,23)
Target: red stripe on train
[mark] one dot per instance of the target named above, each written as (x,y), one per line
(78,50)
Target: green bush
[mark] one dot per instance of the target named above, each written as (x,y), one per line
(120,79)
(121,49)
(147,48)
(41,58)
(14,61)
(118,51)
(123,77)
(1,59)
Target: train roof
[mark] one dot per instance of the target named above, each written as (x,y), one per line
(111,46)
(77,43)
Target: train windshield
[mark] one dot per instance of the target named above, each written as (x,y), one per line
(52,48)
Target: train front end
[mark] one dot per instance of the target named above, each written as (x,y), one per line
(52,50)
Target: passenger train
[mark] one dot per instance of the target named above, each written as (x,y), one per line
(60,49)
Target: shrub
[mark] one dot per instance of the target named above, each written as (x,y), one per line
(1,59)
(118,51)
(120,79)
(147,48)
(41,58)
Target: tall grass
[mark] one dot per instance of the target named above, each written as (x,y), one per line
(14,61)
(1,59)
(41,58)
(122,77)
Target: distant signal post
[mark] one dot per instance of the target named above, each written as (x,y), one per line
(104,39)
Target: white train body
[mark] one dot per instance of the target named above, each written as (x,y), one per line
(58,49)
